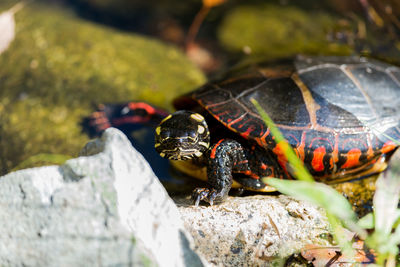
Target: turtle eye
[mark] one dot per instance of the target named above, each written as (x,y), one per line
(164,134)
(193,134)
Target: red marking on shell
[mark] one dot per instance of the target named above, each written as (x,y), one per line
(231,122)
(214,150)
(300,148)
(250,174)
(335,152)
(247,132)
(353,158)
(263,166)
(317,162)
(370,151)
(388,146)
(261,140)
(279,151)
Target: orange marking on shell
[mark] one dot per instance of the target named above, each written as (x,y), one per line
(231,122)
(317,162)
(263,166)
(247,132)
(353,158)
(388,146)
(249,173)
(370,151)
(214,150)
(300,148)
(335,152)
(279,151)
(261,141)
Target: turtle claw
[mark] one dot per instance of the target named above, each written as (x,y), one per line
(205,194)
(200,194)
(212,196)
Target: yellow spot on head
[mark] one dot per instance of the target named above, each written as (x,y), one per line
(200,129)
(166,118)
(162,154)
(157,145)
(158,130)
(197,117)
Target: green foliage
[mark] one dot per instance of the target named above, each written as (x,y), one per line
(316,193)
(274,31)
(383,220)
(386,216)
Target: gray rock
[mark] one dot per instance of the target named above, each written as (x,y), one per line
(254,230)
(105,208)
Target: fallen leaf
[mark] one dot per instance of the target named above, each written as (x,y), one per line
(332,256)
(7,26)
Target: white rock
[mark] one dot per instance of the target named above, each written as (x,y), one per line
(254,230)
(103,208)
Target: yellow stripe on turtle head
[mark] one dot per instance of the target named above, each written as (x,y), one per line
(166,118)
(158,130)
(197,117)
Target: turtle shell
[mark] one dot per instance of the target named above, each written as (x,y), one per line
(338,113)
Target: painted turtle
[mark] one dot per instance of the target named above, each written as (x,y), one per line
(338,113)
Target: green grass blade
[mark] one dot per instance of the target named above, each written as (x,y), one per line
(367,222)
(386,199)
(316,193)
(296,165)
(322,195)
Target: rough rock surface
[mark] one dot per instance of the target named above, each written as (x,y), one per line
(254,230)
(101,209)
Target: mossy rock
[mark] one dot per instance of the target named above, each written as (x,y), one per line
(59,66)
(273,31)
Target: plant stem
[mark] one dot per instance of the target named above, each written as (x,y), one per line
(194,28)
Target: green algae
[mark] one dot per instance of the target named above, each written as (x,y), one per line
(273,31)
(59,66)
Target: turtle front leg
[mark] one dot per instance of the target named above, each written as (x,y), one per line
(224,157)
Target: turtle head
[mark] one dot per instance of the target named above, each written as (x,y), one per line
(182,135)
